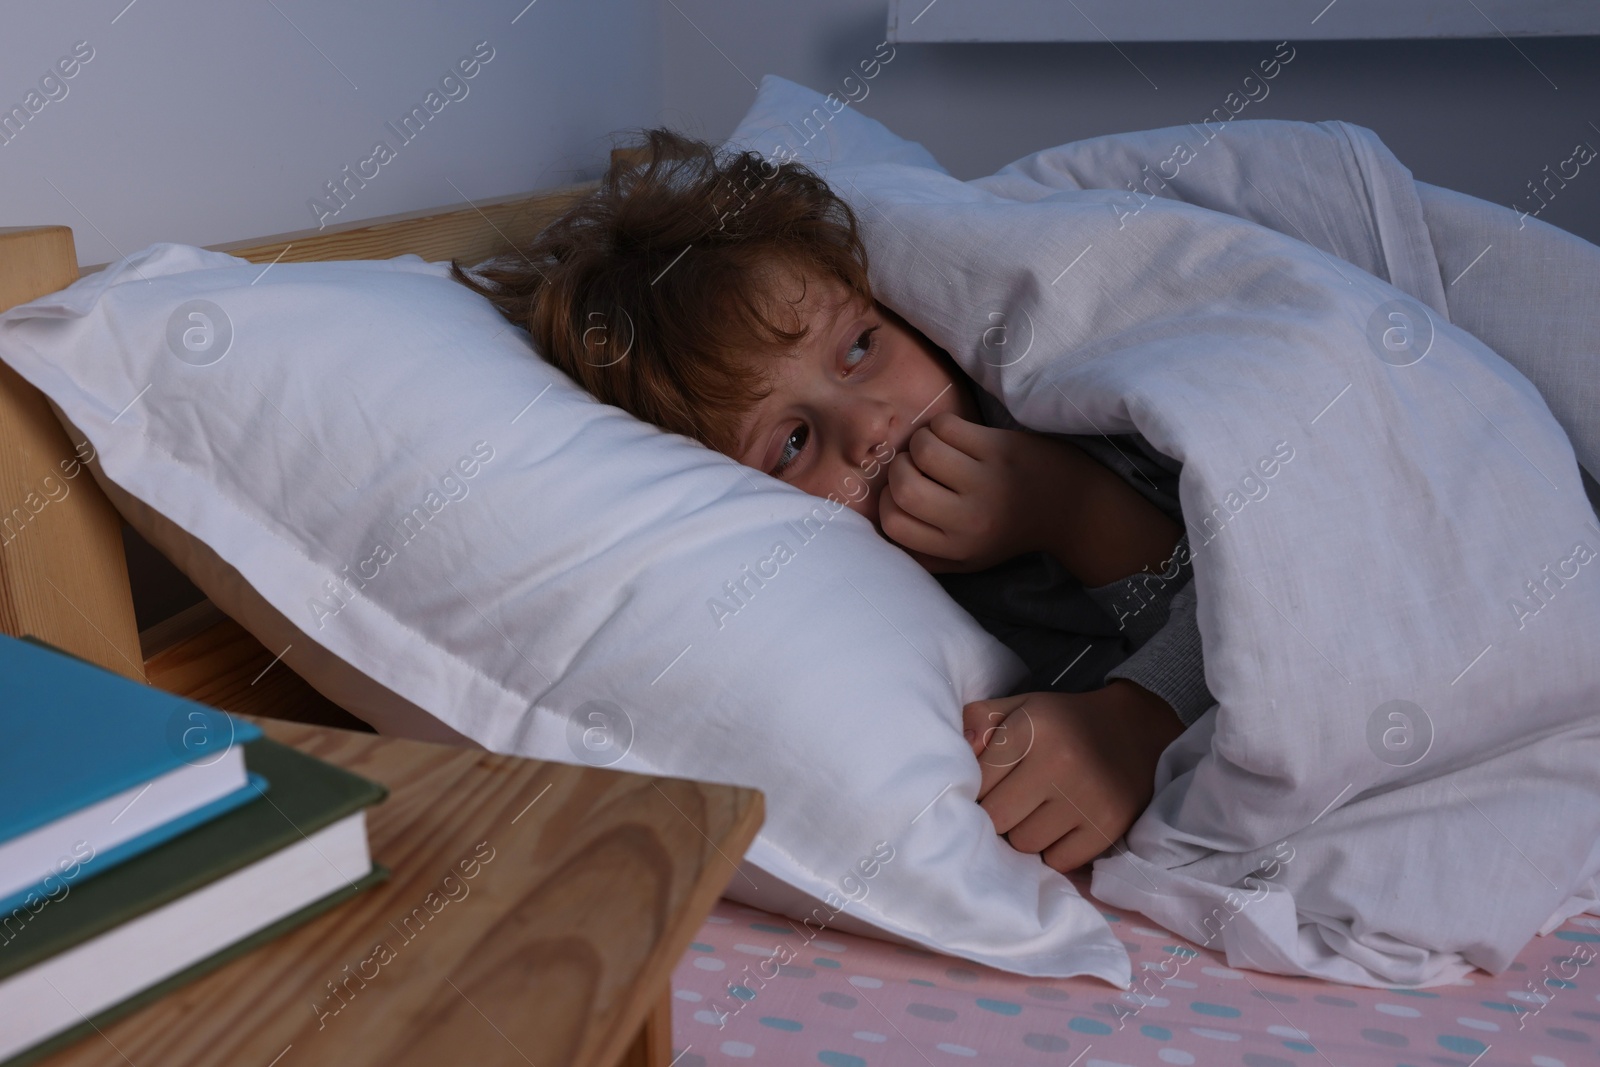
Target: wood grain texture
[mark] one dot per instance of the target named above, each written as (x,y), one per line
(554,953)
(652,1046)
(192,620)
(221,664)
(471,234)
(63,576)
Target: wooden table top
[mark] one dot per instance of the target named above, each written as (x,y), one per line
(597,883)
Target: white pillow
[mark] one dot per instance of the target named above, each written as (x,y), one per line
(789,121)
(363,462)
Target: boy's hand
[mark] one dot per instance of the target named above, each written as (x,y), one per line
(964,497)
(1066,774)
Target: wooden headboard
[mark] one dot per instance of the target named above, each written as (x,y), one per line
(63,575)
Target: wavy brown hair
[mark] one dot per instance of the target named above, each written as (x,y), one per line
(654,293)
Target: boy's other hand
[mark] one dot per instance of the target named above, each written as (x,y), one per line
(1066,774)
(963,496)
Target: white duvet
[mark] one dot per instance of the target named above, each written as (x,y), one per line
(1397,572)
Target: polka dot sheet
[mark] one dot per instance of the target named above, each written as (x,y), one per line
(755,989)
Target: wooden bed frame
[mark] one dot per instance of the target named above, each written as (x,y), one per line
(63,573)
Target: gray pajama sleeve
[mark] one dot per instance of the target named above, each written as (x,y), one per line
(1157,611)
(1170,665)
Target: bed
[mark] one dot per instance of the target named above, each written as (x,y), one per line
(845,1000)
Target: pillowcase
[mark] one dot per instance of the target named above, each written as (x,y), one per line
(789,121)
(365,465)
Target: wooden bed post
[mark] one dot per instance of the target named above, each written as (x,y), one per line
(63,575)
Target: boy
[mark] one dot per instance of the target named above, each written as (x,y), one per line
(748,323)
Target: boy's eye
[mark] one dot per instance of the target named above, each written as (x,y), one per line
(791,449)
(860,351)
(865,345)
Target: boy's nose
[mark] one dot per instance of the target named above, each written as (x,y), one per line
(873,424)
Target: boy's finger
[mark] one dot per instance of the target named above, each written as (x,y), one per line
(1011,800)
(980,718)
(971,438)
(905,529)
(1046,826)
(1006,746)
(919,495)
(1010,735)
(1074,849)
(943,462)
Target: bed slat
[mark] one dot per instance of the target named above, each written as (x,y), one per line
(63,576)
(470,234)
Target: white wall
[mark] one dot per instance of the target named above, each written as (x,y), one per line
(203,123)
(1483,116)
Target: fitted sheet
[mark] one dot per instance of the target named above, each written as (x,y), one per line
(851,1001)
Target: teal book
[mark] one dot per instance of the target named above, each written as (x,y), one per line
(113,943)
(97,768)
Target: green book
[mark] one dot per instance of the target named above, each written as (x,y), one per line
(113,943)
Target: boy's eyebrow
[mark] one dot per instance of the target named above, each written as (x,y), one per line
(841,309)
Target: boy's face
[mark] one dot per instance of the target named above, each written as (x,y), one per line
(848,399)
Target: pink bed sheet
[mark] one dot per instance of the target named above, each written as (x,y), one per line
(846,1001)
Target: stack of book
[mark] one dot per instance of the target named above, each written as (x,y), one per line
(146,839)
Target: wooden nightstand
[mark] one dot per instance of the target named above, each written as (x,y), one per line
(562,952)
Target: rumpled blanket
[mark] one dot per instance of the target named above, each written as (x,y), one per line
(1397,571)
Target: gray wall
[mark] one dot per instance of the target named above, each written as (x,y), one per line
(203,123)
(1476,115)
